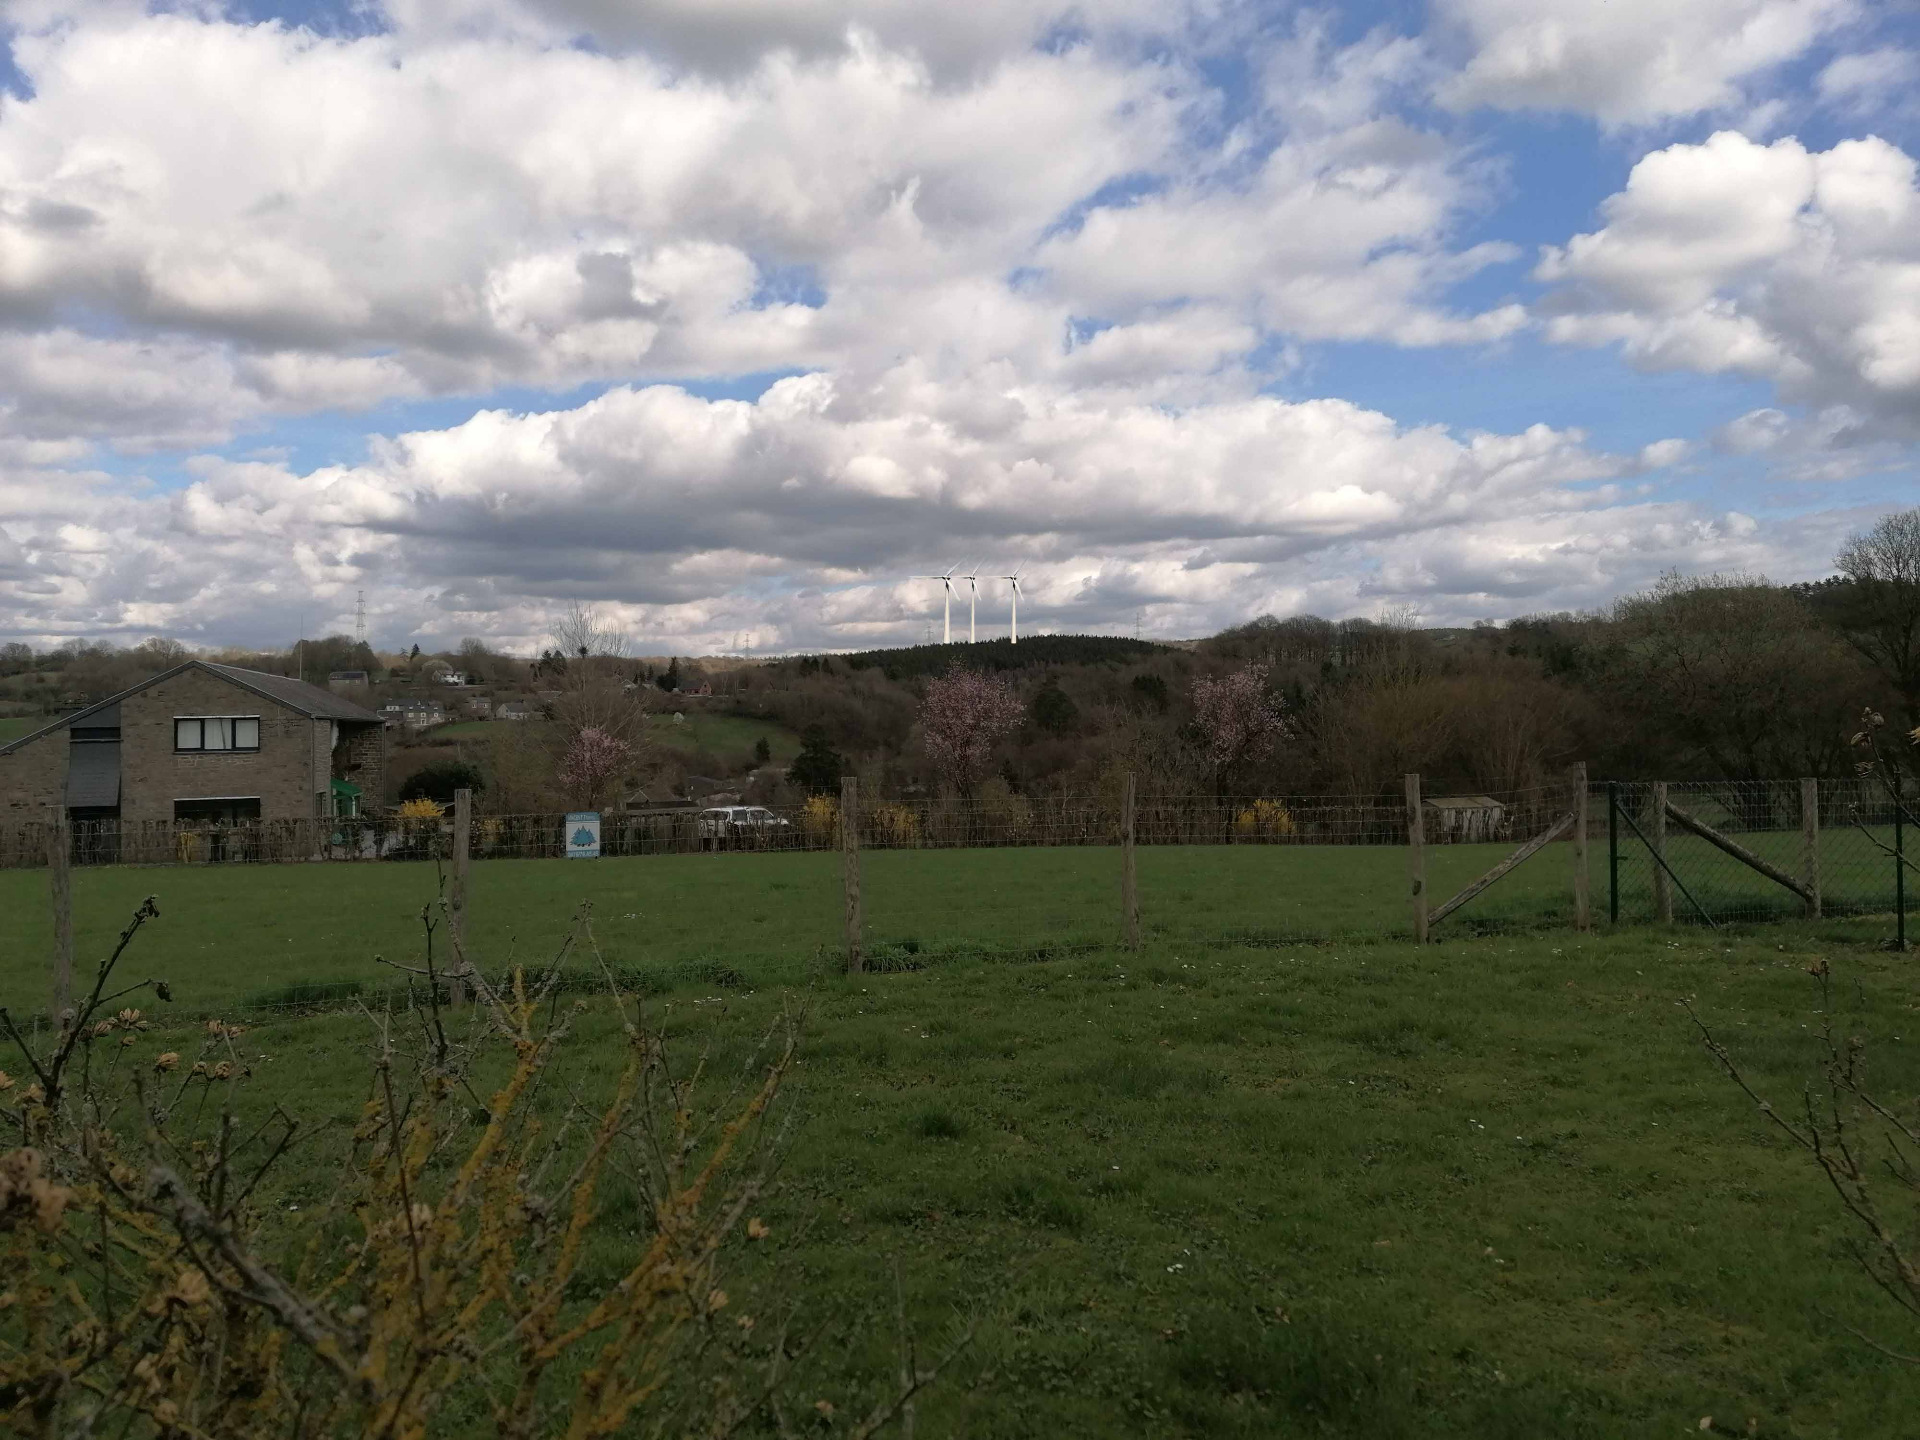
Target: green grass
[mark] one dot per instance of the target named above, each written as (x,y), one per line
(12,727)
(724,735)
(1491,1188)
(243,934)
(468,729)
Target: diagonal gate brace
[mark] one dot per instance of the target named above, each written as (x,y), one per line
(1660,860)
(1552,832)
(1739,852)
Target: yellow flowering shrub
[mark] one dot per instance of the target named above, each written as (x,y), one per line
(1263,820)
(897,825)
(820,818)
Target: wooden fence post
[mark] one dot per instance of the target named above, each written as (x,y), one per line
(1657,842)
(850,868)
(1810,843)
(60,891)
(1129,879)
(1582,896)
(1417,859)
(457,893)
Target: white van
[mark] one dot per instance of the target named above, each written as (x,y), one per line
(738,824)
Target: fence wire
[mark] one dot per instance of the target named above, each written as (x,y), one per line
(752,898)
(1830,847)
(946,824)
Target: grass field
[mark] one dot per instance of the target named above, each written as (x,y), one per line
(1491,1188)
(12,727)
(247,935)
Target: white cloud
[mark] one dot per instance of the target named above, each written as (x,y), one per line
(1032,294)
(449,209)
(1869,80)
(729,36)
(793,517)
(487,212)
(1802,268)
(1628,62)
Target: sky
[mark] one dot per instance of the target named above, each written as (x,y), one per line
(732,317)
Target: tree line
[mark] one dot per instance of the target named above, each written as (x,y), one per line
(1711,677)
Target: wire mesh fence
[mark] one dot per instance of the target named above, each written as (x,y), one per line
(914,824)
(749,896)
(1720,851)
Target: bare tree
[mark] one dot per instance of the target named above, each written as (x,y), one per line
(520,765)
(1881,615)
(1737,672)
(583,633)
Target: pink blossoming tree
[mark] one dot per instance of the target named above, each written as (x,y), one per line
(964,715)
(1237,719)
(593,762)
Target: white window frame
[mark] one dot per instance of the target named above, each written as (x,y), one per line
(231,724)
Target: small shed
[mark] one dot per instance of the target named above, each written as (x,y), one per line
(1465,819)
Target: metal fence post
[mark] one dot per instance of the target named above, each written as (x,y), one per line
(1417,860)
(1129,879)
(1613,852)
(1657,842)
(1900,868)
(1582,905)
(1810,844)
(457,893)
(850,868)
(60,892)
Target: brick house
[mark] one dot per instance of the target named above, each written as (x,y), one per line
(202,742)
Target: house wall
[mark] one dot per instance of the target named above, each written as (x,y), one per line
(34,777)
(282,773)
(362,759)
(320,762)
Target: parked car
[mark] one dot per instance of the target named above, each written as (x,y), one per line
(739,823)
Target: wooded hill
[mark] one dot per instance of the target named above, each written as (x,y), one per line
(1713,677)
(997,655)
(1709,678)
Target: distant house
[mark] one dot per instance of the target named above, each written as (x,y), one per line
(516,710)
(342,680)
(201,742)
(414,714)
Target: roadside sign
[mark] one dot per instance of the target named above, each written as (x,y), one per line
(583,835)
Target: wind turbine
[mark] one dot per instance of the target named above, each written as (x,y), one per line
(1013,627)
(946,629)
(973,597)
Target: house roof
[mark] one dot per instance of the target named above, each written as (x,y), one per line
(313,700)
(297,695)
